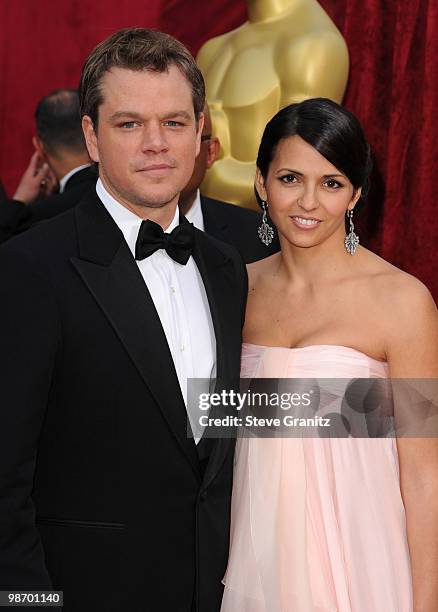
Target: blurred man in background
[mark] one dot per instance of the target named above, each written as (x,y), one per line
(233,224)
(59,164)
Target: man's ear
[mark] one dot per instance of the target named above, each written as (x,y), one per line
(199,129)
(356,195)
(259,183)
(39,147)
(213,151)
(90,138)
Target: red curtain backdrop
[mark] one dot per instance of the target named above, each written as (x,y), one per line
(44,44)
(393,88)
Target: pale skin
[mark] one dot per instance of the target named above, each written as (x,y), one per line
(313,292)
(38,180)
(146,139)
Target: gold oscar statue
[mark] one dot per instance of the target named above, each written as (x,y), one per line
(287,51)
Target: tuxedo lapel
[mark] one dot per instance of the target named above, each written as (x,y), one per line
(218,276)
(108,269)
(215,225)
(209,260)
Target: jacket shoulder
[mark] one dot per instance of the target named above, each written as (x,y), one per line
(79,185)
(48,237)
(226,249)
(230,211)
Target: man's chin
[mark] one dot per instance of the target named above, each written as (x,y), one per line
(152,200)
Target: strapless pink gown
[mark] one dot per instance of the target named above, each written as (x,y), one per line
(317,524)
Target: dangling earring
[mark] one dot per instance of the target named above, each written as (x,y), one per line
(351,239)
(266,233)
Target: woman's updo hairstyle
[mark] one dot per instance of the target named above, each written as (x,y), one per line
(330,129)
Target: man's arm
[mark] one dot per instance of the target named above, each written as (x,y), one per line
(29,332)
(15,216)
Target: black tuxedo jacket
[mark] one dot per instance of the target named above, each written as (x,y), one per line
(15,217)
(102,494)
(237,226)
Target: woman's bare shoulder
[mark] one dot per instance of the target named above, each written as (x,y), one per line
(398,285)
(404,302)
(259,269)
(392,283)
(399,309)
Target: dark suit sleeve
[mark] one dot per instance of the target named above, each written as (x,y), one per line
(52,205)
(29,331)
(14,217)
(244,293)
(242,282)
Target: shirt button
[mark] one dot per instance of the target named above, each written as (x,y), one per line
(172,289)
(182,348)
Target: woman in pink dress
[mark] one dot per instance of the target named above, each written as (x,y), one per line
(331,524)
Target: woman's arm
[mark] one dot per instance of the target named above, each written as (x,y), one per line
(412,352)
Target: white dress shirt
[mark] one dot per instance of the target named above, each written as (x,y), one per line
(66,177)
(179,297)
(194,215)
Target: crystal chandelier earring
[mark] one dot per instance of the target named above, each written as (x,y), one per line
(351,241)
(265,231)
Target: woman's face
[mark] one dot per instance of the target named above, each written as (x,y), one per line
(307,196)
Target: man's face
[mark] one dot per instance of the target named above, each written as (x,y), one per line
(147,138)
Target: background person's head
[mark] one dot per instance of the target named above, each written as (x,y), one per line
(60,140)
(141,98)
(207,156)
(313,165)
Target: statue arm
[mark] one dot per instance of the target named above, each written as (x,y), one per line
(208,52)
(315,65)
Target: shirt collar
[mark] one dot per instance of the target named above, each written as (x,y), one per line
(194,214)
(66,177)
(127,221)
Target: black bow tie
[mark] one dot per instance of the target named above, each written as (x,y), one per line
(178,244)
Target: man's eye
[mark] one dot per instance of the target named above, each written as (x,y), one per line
(288,178)
(128,125)
(332,184)
(172,123)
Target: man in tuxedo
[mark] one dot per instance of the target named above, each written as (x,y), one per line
(105,317)
(60,157)
(233,224)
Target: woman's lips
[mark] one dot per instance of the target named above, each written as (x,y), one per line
(305,223)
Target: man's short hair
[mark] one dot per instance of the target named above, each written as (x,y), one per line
(137,49)
(58,121)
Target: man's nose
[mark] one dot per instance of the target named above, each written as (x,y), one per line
(154,139)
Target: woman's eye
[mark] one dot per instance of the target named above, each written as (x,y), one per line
(332,184)
(288,178)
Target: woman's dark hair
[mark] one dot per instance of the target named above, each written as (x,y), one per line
(330,129)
